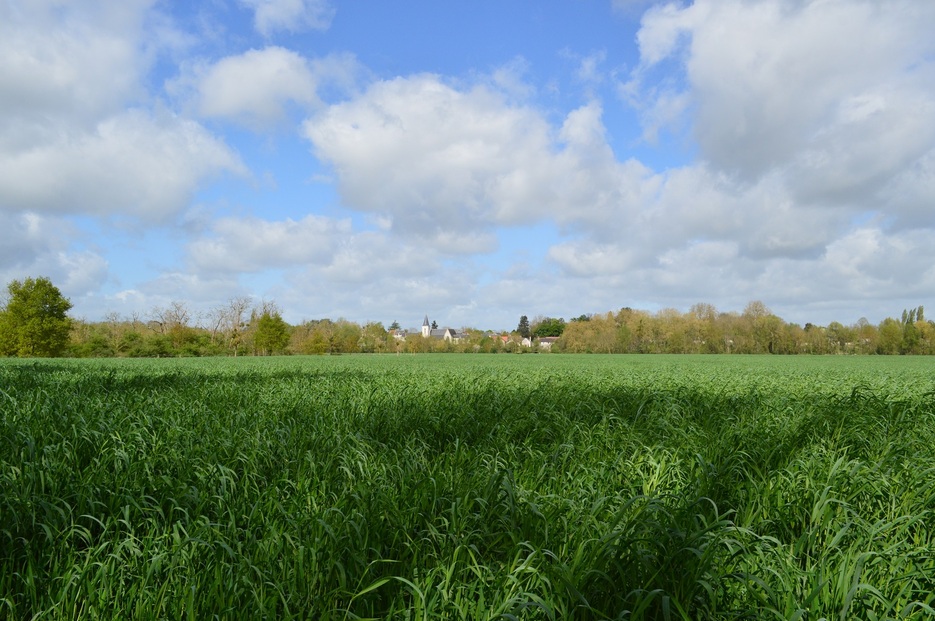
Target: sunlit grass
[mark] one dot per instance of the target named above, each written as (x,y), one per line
(421,487)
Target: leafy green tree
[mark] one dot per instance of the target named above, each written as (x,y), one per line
(313,337)
(417,344)
(914,327)
(840,337)
(272,333)
(549,327)
(372,338)
(90,340)
(34,322)
(345,338)
(596,335)
(890,336)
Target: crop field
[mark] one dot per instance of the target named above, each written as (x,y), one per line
(468,487)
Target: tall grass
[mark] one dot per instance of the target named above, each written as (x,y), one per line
(530,487)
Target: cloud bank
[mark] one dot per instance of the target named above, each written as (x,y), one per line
(784,150)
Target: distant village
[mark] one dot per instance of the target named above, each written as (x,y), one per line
(451,335)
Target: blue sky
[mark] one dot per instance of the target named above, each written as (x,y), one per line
(381,160)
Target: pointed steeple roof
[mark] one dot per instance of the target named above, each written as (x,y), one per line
(426,322)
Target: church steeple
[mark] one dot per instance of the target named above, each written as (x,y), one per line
(426,327)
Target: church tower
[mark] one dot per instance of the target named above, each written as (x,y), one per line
(426,327)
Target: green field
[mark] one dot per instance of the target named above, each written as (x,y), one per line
(468,487)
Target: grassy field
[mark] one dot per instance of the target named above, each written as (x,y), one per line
(468,487)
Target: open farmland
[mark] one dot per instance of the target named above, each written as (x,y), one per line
(468,487)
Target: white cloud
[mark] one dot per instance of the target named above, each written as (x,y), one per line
(25,236)
(443,164)
(910,195)
(372,257)
(78,133)
(447,165)
(251,244)
(589,67)
(433,157)
(324,268)
(339,72)
(33,245)
(874,137)
(667,110)
(77,61)
(808,85)
(589,259)
(814,182)
(199,293)
(291,15)
(696,203)
(510,79)
(256,88)
(871,260)
(130,164)
(80,272)
(589,189)
(810,126)
(409,283)
(661,28)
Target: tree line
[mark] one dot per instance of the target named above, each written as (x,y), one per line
(756,330)
(34,322)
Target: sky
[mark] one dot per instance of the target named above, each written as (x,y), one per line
(383,160)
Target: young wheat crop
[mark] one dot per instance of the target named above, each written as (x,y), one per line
(423,487)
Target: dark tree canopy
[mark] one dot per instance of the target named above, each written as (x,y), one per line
(549,327)
(34,322)
(523,327)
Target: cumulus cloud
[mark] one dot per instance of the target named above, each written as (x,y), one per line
(589,190)
(442,163)
(79,272)
(252,244)
(809,127)
(327,268)
(909,196)
(374,277)
(271,16)
(325,261)
(590,259)
(255,88)
(89,67)
(23,237)
(198,293)
(812,86)
(430,156)
(77,135)
(814,179)
(32,244)
(868,259)
(872,139)
(131,164)
(437,160)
